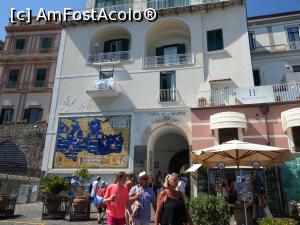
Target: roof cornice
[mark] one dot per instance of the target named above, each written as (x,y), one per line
(175,10)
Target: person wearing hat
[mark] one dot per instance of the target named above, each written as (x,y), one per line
(95,186)
(143,215)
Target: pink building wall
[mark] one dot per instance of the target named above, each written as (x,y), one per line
(203,136)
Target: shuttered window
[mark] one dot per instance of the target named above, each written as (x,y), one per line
(215,40)
(40,77)
(6,115)
(32,115)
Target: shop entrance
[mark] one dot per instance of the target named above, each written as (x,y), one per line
(179,162)
(168,150)
(171,154)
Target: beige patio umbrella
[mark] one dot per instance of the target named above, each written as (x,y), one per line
(240,153)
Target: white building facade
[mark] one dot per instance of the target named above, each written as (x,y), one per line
(275,48)
(123,91)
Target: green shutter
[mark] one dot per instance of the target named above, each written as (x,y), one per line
(11,115)
(210,41)
(46,42)
(215,40)
(40,114)
(2,116)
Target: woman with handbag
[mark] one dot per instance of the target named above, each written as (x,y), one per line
(171,207)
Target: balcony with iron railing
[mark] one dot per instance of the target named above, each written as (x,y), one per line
(168,95)
(169,60)
(108,57)
(289,92)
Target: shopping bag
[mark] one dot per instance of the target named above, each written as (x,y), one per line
(97,201)
(268,212)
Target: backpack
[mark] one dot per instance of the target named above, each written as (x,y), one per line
(90,188)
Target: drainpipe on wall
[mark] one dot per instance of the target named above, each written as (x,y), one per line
(264,109)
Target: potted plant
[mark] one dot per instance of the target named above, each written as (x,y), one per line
(82,201)
(52,189)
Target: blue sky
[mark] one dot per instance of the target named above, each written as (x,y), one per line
(254,7)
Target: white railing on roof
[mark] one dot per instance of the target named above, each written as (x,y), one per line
(288,92)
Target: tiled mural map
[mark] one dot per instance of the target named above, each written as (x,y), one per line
(92,142)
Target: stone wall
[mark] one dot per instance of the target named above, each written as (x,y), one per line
(29,138)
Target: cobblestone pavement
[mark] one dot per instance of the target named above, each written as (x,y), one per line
(31,214)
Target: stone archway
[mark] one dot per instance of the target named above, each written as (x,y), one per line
(163,140)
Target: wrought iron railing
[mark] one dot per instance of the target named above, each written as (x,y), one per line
(168,95)
(168,60)
(109,57)
(288,92)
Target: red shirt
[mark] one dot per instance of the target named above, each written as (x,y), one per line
(117,207)
(101,192)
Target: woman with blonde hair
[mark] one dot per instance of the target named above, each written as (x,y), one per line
(171,207)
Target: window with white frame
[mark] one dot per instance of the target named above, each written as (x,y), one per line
(167,86)
(293,37)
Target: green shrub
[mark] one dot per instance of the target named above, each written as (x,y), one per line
(209,210)
(55,185)
(83,175)
(276,221)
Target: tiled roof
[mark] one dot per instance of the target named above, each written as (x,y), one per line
(11,155)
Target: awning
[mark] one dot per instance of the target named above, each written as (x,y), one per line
(290,118)
(228,120)
(194,168)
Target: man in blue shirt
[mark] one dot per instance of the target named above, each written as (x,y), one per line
(143,215)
